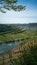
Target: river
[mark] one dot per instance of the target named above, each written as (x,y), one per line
(7,47)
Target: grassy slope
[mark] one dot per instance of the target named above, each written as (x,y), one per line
(28,53)
(24,35)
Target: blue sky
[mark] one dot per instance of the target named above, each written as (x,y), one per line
(27,16)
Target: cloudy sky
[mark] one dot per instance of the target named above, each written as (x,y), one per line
(27,16)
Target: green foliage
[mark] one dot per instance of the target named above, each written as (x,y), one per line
(19,8)
(10,4)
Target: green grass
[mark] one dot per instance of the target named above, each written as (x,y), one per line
(27,34)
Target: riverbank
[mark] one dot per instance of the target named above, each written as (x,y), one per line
(16,52)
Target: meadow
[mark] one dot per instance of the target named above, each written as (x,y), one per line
(26,34)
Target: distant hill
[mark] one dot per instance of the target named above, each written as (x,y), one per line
(15,28)
(7,28)
(32,26)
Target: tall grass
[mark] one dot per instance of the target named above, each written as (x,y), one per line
(29,54)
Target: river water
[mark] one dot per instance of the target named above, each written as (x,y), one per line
(6,47)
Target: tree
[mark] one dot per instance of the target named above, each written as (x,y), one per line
(10,4)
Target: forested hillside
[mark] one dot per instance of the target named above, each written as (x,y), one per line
(15,28)
(32,26)
(7,28)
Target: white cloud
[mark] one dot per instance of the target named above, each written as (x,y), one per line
(26,16)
